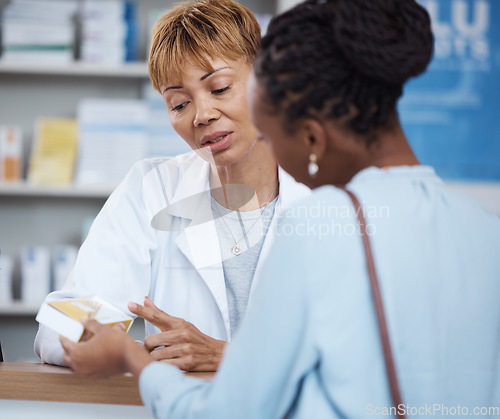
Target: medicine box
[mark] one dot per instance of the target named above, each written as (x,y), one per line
(64,316)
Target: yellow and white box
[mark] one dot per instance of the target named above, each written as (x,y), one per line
(64,316)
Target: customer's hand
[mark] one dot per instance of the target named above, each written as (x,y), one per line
(180,343)
(109,351)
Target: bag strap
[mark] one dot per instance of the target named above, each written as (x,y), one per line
(379,307)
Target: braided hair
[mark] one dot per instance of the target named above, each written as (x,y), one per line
(344,57)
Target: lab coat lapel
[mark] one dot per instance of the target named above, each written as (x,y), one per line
(199,241)
(189,199)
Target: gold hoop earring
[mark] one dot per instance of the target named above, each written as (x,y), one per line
(313,167)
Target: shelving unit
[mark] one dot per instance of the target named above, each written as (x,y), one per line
(50,215)
(130,70)
(70,191)
(47,216)
(19,309)
(487,193)
(35,215)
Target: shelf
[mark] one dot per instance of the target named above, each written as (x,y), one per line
(22,189)
(18,308)
(487,193)
(132,70)
(477,188)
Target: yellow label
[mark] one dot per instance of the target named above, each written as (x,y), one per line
(87,335)
(77,308)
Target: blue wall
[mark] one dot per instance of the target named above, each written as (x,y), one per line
(451,114)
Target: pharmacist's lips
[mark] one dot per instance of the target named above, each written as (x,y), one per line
(212,138)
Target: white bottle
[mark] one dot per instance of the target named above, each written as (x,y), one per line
(35,274)
(6,267)
(63,260)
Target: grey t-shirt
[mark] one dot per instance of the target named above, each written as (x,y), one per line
(249,229)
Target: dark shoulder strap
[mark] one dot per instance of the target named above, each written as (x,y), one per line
(379,308)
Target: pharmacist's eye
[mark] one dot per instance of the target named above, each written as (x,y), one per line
(220,91)
(180,107)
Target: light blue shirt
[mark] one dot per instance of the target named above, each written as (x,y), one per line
(310,342)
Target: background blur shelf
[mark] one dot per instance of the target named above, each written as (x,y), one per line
(19,309)
(49,216)
(132,70)
(72,191)
(487,193)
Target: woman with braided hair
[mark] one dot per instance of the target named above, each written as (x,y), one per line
(323,94)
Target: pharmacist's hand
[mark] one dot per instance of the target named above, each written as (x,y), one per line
(180,343)
(104,354)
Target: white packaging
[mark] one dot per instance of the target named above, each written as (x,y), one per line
(6,268)
(110,127)
(64,316)
(35,274)
(63,260)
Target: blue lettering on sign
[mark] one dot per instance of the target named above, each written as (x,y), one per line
(462,32)
(451,113)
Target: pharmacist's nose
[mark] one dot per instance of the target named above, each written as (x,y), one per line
(205,114)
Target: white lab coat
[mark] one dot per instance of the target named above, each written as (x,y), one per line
(156,236)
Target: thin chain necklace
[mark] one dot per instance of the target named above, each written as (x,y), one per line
(236,250)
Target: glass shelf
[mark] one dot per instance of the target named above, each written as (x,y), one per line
(130,70)
(20,189)
(18,308)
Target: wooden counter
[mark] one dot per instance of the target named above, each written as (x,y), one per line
(42,382)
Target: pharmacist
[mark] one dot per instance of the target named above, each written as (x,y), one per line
(190,232)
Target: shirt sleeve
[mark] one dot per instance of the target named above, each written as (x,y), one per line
(263,366)
(115,260)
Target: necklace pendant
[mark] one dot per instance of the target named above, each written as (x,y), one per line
(236,250)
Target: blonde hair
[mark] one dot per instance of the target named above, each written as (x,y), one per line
(194,31)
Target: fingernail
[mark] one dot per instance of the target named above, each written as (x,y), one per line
(132,306)
(84,320)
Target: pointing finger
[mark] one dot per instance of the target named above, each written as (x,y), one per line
(137,309)
(153,315)
(149,303)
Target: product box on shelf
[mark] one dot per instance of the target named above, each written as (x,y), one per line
(54,152)
(11,153)
(39,31)
(109,32)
